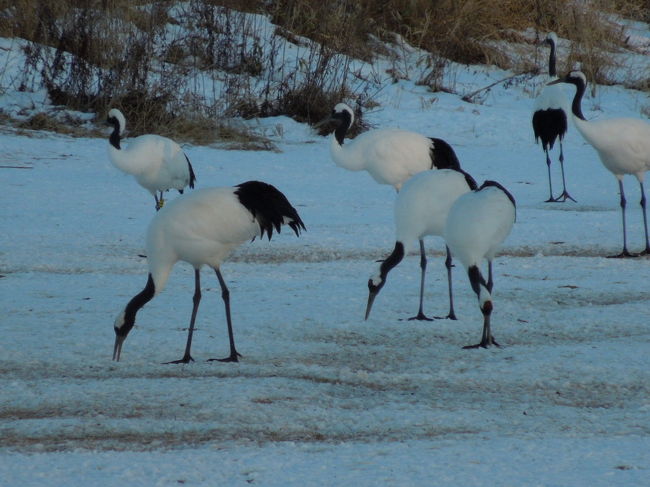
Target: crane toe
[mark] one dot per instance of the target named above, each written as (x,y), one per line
(420,317)
(185,360)
(234,357)
(450,316)
(625,254)
(483,344)
(565,196)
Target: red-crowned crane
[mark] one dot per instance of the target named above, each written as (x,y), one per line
(390,156)
(550,119)
(202,228)
(623,145)
(157,163)
(421,209)
(477,224)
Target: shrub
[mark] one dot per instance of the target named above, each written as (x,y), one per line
(204,60)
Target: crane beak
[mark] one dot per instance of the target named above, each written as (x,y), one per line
(555,82)
(371,299)
(117,348)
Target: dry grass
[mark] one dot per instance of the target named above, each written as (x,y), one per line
(104,54)
(459,30)
(59,123)
(631,9)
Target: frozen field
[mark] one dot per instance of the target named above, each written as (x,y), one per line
(322,397)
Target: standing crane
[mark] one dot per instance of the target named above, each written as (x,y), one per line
(157,163)
(390,156)
(477,224)
(550,119)
(623,145)
(202,228)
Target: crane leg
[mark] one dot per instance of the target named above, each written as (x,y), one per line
(490,282)
(565,194)
(645,220)
(550,184)
(196,299)
(624,252)
(449,265)
(225,294)
(423,267)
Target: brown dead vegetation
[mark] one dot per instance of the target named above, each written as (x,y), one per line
(93,55)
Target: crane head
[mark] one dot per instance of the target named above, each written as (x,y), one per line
(374,286)
(377,281)
(122,329)
(116,119)
(342,114)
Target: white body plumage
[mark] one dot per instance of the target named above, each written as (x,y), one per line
(391,156)
(219,223)
(378,151)
(422,206)
(623,144)
(478,223)
(157,163)
(552,97)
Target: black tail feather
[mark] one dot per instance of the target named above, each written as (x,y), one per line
(443,155)
(192,175)
(549,125)
(269,207)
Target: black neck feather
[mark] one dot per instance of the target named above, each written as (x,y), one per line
(136,303)
(476,279)
(576,106)
(392,260)
(344,125)
(551,60)
(114,138)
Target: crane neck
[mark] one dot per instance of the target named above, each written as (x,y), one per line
(479,285)
(348,156)
(392,260)
(576,105)
(552,71)
(114,138)
(125,159)
(136,303)
(342,129)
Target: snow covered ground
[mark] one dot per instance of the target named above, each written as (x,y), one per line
(322,397)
